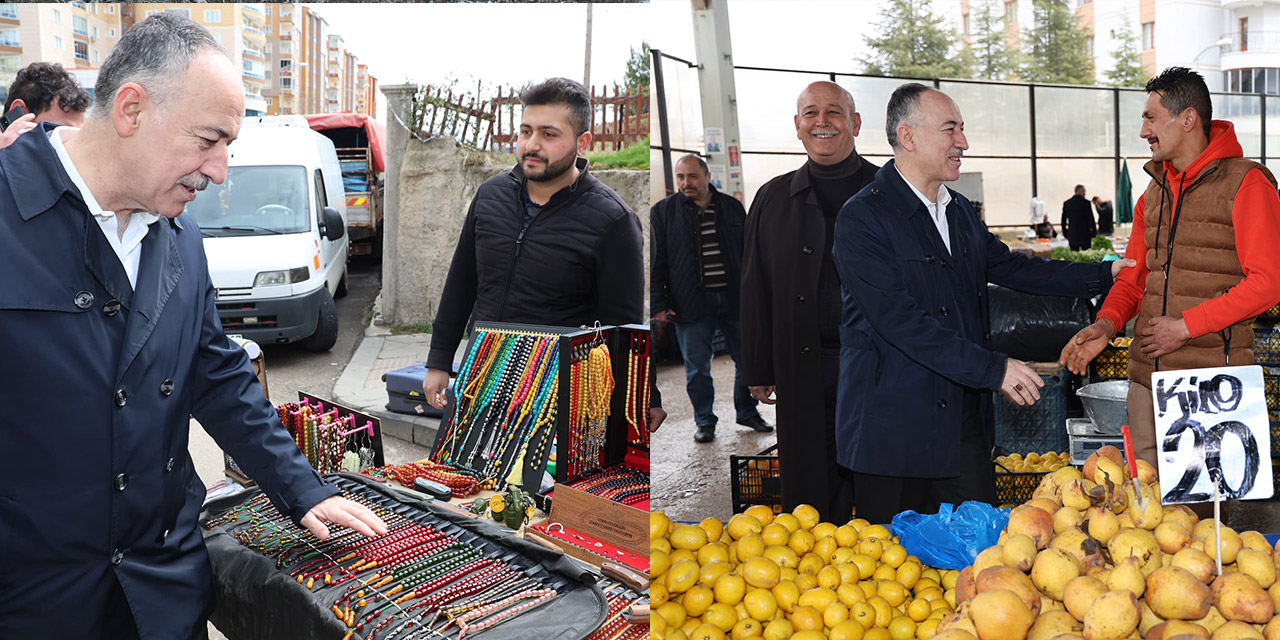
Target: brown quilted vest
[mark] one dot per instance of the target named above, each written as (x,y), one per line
(1204,263)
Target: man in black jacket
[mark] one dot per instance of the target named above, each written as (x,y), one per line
(1106,216)
(545,243)
(1077,221)
(695,273)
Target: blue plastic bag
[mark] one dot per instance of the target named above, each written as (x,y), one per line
(952,538)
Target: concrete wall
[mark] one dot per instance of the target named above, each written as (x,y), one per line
(436,182)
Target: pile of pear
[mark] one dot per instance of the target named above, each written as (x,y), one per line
(1090,557)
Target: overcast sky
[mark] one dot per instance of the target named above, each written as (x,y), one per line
(507,44)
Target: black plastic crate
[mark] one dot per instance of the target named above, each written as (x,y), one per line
(1111,364)
(1015,488)
(1266,346)
(1271,386)
(1270,314)
(756,480)
(1040,427)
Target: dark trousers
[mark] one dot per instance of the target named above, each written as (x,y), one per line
(118,622)
(807,456)
(882,497)
(695,347)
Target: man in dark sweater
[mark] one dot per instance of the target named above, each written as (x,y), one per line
(791,299)
(1077,221)
(545,243)
(695,272)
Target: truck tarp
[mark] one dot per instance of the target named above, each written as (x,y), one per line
(376,132)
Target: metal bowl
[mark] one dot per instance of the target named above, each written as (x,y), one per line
(1107,404)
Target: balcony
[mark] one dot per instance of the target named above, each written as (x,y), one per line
(254,53)
(8,11)
(254,31)
(1252,42)
(256,75)
(254,7)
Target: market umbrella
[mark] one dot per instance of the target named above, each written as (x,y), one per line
(1124,195)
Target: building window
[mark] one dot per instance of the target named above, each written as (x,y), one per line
(95,56)
(1010,11)
(80,25)
(213,15)
(1244,34)
(111,33)
(286,48)
(57,16)
(57,42)
(286,84)
(1148,36)
(81,50)
(95,33)
(268,9)
(111,8)
(186,13)
(267,29)
(271,101)
(268,49)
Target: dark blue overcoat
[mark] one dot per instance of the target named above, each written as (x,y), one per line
(915,328)
(97,385)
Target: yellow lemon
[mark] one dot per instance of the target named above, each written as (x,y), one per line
(730,588)
(864,614)
(788,573)
(782,556)
(659,562)
(673,612)
(677,555)
(866,565)
(713,527)
(762,513)
(928,593)
(690,624)
(893,555)
(870,587)
(811,563)
(806,619)
(842,555)
(893,592)
(847,630)
(825,547)
(658,524)
(902,628)
(745,629)
(775,534)
(760,572)
(801,542)
(749,546)
(940,605)
(923,584)
(850,594)
(657,594)
(908,574)
(706,631)
(809,635)
(721,615)
(741,525)
(778,629)
(760,604)
(681,576)
(859,524)
(805,582)
(927,629)
(876,532)
(657,626)
(711,572)
(713,552)
(786,594)
(949,579)
(931,574)
(834,614)
(824,530)
(829,577)
(676,634)
(877,633)
(848,573)
(872,547)
(846,535)
(789,521)
(688,536)
(818,598)
(884,612)
(884,572)
(696,600)
(807,515)
(661,544)
(919,609)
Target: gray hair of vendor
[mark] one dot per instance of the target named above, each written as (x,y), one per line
(903,107)
(155,54)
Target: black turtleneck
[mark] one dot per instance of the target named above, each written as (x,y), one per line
(833,185)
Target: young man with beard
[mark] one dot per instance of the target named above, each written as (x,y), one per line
(915,419)
(107,299)
(1206,235)
(791,299)
(545,243)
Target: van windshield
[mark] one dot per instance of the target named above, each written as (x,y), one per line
(268,200)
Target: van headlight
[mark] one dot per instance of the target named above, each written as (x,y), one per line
(268,278)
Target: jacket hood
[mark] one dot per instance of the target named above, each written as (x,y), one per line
(1222,144)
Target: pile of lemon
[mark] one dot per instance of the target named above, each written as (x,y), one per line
(790,576)
(1033,462)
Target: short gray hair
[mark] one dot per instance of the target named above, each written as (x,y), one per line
(154,53)
(696,158)
(903,105)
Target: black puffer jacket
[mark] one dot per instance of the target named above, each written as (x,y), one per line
(675,279)
(580,260)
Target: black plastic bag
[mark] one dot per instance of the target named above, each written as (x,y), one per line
(1034,328)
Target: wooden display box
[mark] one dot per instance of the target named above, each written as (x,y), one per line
(617,524)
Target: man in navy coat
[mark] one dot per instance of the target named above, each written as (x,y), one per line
(914,413)
(111,344)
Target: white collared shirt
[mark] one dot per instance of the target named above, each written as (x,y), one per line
(937,211)
(128,246)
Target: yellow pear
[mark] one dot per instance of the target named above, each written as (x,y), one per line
(1108,470)
(1127,574)
(1080,593)
(1272,630)
(1066,518)
(1211,620)
(953,634)
(1049,503)
(1174,593)
(1103,523)
(1172,536)
(1019,551)
(1072,543)
(1180,514)
(1149,619)
(1053,624)
(1000,615)
(1010,579)
(1234,630)
(1146,472)
(1069,636)
(1126,520)
(1138,543)
(1114,614)
(958,620)
(1239,597)
(1202,528)
(1033,522)
(1274,592)
(1075,494)
(1197,562)
(1052,570)
(1172,628)
(965,588)
(1049,604)
(1257,564)
(1230,544)
(1256,541)
(1145,515)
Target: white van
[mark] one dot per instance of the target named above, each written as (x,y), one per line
(275,234)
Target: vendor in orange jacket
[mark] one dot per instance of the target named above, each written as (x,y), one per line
(1206,236)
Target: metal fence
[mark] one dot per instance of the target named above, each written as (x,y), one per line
(1026,139)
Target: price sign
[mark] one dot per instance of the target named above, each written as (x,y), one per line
(1212,427)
